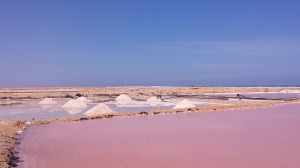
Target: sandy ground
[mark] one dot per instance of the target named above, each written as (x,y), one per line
(8,129)
(132,91)
(8,138)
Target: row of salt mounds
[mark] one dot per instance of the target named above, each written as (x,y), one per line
(75,104)
(47,101)
(153,99)
(101,108)
(185,104)
(123,97)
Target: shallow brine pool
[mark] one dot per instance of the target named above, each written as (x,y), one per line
(264,137)
(28,109)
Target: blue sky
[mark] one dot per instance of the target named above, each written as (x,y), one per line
(113,43)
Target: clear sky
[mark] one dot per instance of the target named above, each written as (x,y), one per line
(149,42)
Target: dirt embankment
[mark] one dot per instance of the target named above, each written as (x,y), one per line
(8,139)
(154,112)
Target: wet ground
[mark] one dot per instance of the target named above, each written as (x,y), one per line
(273,95)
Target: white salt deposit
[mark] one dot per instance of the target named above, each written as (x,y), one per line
(101,108)
(83,99)
(185,104)
(75,104)
(123,97)
(19,132)
(28,122)
(47,101)
(153,99)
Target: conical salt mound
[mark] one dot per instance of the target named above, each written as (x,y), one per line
(123,97)
(47,101)
(83,99)
(153,99)
(75,104)
(185,104)
(101,108)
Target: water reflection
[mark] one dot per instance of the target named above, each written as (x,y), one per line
(31,108)
(47,106)
(71,110)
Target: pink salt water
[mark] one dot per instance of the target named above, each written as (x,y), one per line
(264,137)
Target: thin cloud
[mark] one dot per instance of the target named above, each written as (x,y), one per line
(234,48)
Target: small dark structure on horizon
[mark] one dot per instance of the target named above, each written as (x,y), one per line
(78,95)
(143,113)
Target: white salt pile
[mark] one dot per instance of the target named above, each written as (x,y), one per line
(153,99)
(185,104)
(101,108)
(123,97)
(83,99)
(47,101)
(75,104)
(47,106)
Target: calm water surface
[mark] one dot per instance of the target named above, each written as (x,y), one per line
(28,109)
(265,137)
(274,95)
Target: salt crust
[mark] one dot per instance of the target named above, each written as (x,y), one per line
(83,99)
(185,104)
(123,97)
(153,99)
(101,108)
(47,101)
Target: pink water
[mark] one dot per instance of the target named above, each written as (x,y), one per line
(265,137)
